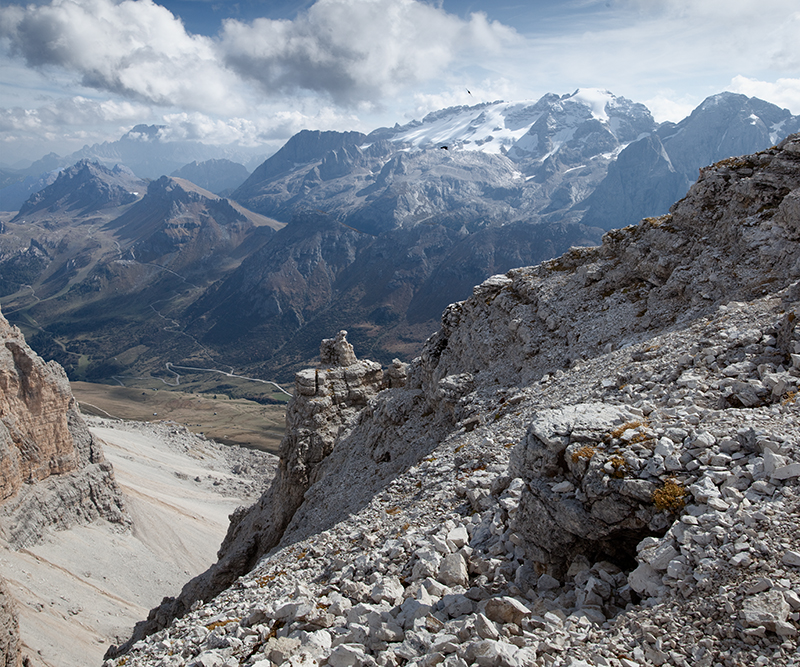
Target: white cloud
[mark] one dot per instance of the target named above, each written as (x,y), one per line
(358,64)
(265,128)
(457,94)
(670,106)
(357,50)
(639,47)
(65,125)
(134,48)
(357,54)
(61,115)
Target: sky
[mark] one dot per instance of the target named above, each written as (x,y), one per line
(254,72)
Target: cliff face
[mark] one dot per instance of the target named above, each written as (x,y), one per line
(52,471)
(36,400)
(594,462)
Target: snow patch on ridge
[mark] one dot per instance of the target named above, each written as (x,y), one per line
(597,100)
(487,128)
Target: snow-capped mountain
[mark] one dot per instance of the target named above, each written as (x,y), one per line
(529,129)
(474,166)
(383,230)
(658,169)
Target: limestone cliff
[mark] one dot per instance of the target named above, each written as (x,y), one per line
(52,471)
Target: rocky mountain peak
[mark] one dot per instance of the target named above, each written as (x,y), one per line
(180,222)
(503,127)
(304,147)
(85,187)
(656,170)
(143,132)
(582,125)
(178,189)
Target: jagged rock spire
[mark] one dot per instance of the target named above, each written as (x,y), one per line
(337,351)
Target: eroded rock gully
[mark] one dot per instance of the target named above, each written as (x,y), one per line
(594,462)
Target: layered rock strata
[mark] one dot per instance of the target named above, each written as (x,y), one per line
(52,471)
(595,462)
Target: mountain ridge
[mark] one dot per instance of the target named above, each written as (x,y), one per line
(723,125)
(585,460)
(84,188)
(420,222)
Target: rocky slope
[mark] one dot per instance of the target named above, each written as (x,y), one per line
(188,229)
(318,275)
(10,654)
(325,402)
(593,462)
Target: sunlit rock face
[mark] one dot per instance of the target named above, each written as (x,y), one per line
(52,471)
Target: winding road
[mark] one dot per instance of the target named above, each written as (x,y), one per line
(169,365)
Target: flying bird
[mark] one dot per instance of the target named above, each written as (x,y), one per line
(444,148)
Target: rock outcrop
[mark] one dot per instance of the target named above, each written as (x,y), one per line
(52,471)
(595,462)
(326,401)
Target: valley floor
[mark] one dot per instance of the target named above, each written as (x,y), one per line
(84,588)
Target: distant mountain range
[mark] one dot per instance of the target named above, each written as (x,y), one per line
(144,152)
(375,233)
(218,176)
